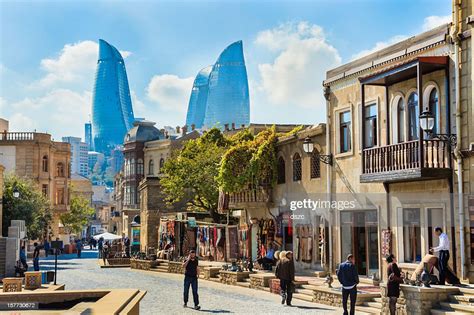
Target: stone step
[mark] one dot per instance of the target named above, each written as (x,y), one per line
(309,286)
(162,267)
(304,291)
(368,310)
(303,297)
(378,300)
(457,307)
(243,284)
(466,290)
(445,312)
(462,299)
(373,304)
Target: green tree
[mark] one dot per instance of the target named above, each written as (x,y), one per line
(79,214)
(30,206)
(190,174)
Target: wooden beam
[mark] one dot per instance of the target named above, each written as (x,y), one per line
(362,123)
(387,117)
(419,74)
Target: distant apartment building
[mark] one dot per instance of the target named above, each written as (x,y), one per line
(79,155)
(88,136)
(35,156)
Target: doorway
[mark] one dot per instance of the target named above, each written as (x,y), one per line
(359,236)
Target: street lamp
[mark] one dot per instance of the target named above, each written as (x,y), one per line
(308,147)
(16,193)
(427,123)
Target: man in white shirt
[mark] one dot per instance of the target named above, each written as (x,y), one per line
(443,250)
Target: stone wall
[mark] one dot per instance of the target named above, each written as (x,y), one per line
(143,264)
(175,267)
(232,277)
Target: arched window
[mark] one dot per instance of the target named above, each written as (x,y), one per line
(281,171)
(434,108)
(140,170)
(60,169)
(413,117)
(45,163)
(296,167)
(315,164)
(162,164)
(151,167)
(401,112)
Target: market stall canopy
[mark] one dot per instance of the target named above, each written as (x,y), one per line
(107,236)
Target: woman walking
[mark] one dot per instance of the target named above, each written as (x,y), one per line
(395,277)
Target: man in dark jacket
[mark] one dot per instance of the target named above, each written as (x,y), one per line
(191,279)
(285,271)
(349,278)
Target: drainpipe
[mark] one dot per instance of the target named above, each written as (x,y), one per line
(327,92)
(455,32)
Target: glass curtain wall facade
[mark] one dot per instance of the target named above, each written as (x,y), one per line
(198,100)
(112,113)
(220,92)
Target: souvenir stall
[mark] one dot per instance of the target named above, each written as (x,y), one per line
(284,232)
(211,241)
(304,243)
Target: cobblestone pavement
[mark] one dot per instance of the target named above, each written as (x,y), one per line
(164,291)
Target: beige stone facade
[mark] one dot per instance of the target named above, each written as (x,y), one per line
(36,157)
(2,169)
(404,182)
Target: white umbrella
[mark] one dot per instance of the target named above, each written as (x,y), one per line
(107,236)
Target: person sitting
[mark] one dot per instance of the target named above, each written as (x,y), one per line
(268,260)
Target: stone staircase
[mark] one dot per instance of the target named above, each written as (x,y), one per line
(161,267)
(460,303)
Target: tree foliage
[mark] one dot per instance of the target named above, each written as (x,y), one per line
(250,161)
(190,174)
(31,206)
(79,214)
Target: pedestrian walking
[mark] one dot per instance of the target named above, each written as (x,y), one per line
(79,248)
(23,258)
(191,279)
(105,252)
(349,278)
(100,246)
(36,254)
(126,243)
(395,277)
(47,247)
(285,271)
(443,258)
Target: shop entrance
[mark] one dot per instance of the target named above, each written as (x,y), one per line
(359,236)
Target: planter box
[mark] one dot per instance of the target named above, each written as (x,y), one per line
(261,281)
(210,272)
(12,284)
(232,277)
(33,280)
(142,264)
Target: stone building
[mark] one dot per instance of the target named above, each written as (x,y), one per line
(402,179)
(152,203)
(134,171)
(46,162)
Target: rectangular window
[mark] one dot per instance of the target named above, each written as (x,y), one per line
(345,132)
(412,235)
(370,125)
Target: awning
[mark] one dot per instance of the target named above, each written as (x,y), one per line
(406,70)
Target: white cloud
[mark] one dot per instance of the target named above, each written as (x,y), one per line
(75,63)
(433,21)
(379,45)
(170,92)
(294,77)
(60,112)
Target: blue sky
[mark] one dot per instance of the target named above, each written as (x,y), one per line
(48,52)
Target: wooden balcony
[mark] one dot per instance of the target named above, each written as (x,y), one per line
(250,198)
(402,162)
